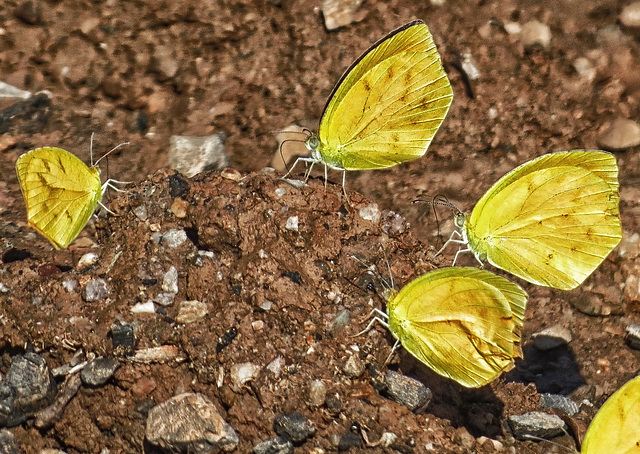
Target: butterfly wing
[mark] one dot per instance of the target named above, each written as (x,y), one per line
(464,323)
(60,191)
(551,221)
(388,106)
(616,426)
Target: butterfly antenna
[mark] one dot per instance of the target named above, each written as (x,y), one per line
(108,152)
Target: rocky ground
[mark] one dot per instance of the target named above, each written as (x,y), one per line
(242,289)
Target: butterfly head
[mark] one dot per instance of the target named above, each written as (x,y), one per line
(460,219)
(313,145)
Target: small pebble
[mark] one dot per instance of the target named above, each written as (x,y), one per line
(630,15)
(275,366)
(141,212)
(622,134)
(354,367)
(341,320)
(370,213)
(266,305)
(348,441)
(189,422)
(243,373)
(174,238)
(536,424)
(95,290)
(9,91)
(179,209)
(161,354)
(122,338)
(144,308)
(69,285)
(191,155)
(463,438)
(29,12)
(551,337)
(292,224)
(535,32)
(407,391)
(278,445)
(164,298)
(633,336)
(317,393)
(8,443)
(280,192)
(339,13)
(294,426)
(99,371)
(87,260)
(559,402)
(191,311)
(170,280)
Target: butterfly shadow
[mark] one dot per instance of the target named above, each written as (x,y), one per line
(553,371)
(479,410)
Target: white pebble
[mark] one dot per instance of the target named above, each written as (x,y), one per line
(144,308)
(292,224)
(174,238)
(280,192)
(370,213)
(170,281)
(275,366)
(87,259)
(630,15)
(535,32)
(243,373)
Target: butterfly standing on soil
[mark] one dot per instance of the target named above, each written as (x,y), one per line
(551,221)
(387,106)
(464,323)
(60,191)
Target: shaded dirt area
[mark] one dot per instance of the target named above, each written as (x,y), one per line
(143,71)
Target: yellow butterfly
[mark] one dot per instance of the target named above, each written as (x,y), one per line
(616,426)
(551,221)
(387,106)
(464,323)
(60,191)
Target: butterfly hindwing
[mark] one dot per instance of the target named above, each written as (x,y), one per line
(551,221)
(387,108)
(60,192)
(464,323)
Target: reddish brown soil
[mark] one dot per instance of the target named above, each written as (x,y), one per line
(249,70)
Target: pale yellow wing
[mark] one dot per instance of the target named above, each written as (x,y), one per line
(616,426)
(388,106)
(464,323)
(60,192)
(552,220)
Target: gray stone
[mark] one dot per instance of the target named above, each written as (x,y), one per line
(294,426)
(95,290)
(536,424)
(559,402)
(8,443)
(349,440)
(278,445)
(317,393)
(407,391)
(28,387)
(191,155)
(189,423)
(174,238)
(354,367)
(170,280)
(633,336)
(122,338)
(99,371)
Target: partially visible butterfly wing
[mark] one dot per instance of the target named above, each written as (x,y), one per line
(389,105)
(60,192)
(463,323)
(616,426)
(551,221)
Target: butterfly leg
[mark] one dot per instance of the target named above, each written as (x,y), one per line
(380,317)
(452,240)
(393,349)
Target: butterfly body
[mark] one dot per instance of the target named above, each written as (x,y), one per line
(60,191)
(551,221)
(387,106)
(464,323)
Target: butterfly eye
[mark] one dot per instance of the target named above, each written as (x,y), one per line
(312,142)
